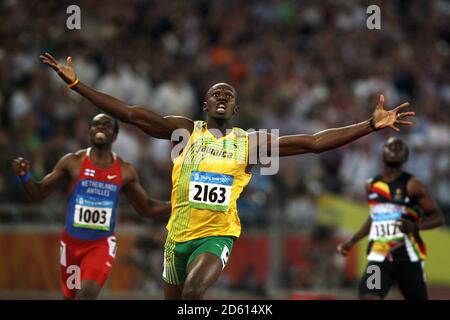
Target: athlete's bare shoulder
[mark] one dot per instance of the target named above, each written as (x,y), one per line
(73,157)
(415,187)
(123,164)
(70,163)
(80,153)
(128,170)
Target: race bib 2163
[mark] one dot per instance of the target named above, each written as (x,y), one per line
(210,191)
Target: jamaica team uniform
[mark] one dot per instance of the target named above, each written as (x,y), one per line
(207,178)
(399,256)
(88,240)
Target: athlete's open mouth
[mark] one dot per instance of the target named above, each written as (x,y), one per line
(221,106)
(100,135)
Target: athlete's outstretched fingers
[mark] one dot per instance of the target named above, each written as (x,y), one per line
(406,114)
(49,63)
(403,105)
(51,58)
(380,104)
(404,122)
(394,127)
(203,272)
(48,59)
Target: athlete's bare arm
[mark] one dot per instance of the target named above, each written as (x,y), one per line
(345,247)
(148,121)
(336,137)
(136,195)
(38,191)
(433,215)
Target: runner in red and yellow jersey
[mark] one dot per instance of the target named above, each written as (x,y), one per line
(400,207)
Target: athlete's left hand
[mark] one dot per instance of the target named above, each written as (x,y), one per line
(65,72)
(389,118)
(407,226)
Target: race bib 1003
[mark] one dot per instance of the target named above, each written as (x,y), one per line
(92,214)
(384,224)
(210,191)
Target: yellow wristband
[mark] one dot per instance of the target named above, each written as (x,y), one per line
(74,83)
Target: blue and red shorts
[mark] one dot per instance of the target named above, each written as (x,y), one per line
(84,260)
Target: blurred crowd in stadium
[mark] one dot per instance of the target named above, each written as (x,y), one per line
(298,66)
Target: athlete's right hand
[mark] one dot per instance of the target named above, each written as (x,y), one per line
(20,166)
(66,72)
(344,248)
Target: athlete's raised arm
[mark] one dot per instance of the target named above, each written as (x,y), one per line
(336,137)
(136,195)
(148,121)
(37,191)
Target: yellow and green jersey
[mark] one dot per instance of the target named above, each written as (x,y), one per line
(207,178)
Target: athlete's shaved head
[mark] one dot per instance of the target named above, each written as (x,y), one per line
(103,129)
(114,120)
(221,102)
(221,85)
(395,151)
